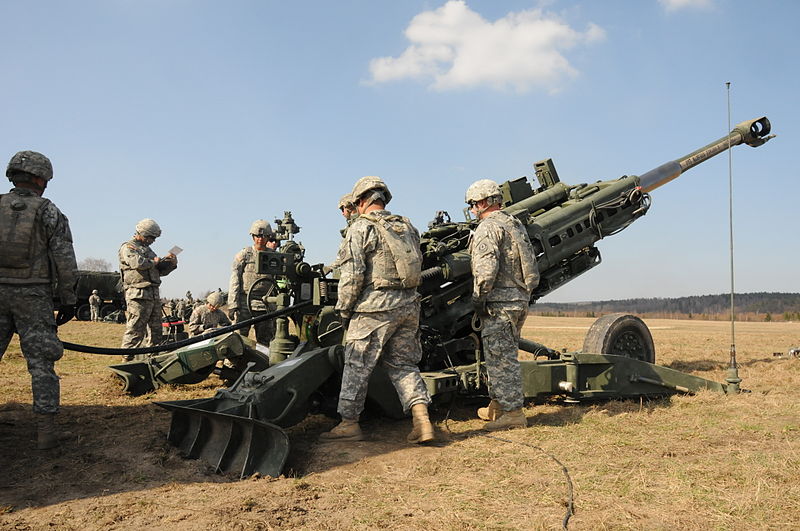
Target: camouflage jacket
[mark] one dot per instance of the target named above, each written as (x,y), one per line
(503,264)
(95,300)
(243,276)
(357,257)
(52,257)
(141,274)
(203,318)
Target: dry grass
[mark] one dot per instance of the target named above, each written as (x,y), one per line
(689,462)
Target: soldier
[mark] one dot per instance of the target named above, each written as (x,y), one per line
(348,210)
(169,307)
(37,253)
(504,275)
(379,307)
(141,272)
(244,275)
(180,309)
(94,305)
(209,315)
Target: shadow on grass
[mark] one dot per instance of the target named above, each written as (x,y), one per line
(715,365)
(104,450)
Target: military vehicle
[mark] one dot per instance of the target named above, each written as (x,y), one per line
(239,430)
(108,287)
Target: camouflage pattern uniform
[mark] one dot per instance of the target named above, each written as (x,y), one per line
(26,292)
(504,275)
(243,276)
(94,306)
(141,277)
(180,309)
(384,323)
(204,318)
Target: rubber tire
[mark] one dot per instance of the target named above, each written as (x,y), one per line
(84,313)
(107,309)
(620,334)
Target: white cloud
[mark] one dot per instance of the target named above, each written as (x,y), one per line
(454,47)
(676,5)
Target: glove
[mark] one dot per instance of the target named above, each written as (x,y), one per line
(65,313)
(479,306)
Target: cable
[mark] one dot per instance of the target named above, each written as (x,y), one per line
(88,349)
(564,469)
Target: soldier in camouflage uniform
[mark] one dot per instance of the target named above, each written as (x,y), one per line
(37,258)
(244,275)
(209,315)
(504,275)
(94,305)
(141,272)
(379,307)
(349,212)
(180,309)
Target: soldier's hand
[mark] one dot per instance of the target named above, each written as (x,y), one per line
(479,306)
(233,313)
(65,314)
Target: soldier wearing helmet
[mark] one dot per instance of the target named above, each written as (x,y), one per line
(208,316)
(94,305)
(380,264)
(504,274)
(141,270)
(37,265)
(244,276)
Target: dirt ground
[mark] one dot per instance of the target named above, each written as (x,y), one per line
(687,462)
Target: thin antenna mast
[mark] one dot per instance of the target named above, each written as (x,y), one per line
(733,369)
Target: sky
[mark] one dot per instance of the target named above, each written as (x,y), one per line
(207,115)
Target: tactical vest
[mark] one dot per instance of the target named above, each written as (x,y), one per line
(398,260)
(136,278)
(24,258)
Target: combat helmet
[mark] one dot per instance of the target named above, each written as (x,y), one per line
(483,189)
(30,162)
(346,202)
(260,228)
(371,183)
(148,228)
(215,299)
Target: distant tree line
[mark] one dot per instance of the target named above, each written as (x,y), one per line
(759,306)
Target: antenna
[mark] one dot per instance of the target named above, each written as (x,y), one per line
(733,369)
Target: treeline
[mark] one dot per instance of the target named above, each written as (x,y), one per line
(748,307)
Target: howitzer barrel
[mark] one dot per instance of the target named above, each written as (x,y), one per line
(751,132)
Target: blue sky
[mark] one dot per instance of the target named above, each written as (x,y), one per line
(207,115)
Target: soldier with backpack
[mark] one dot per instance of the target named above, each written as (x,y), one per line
(380,265)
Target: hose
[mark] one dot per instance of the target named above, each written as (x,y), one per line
(191,341)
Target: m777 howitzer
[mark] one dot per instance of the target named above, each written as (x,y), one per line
(240,429)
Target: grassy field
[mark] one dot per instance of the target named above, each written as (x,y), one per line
(688,462)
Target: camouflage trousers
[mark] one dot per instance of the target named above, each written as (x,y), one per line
(390,338)
(265,330)
(95,312)
(500,337)
(28,311)
(143,316)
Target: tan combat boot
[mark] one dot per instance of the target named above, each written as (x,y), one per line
(491,412)
(346,430)
(46,436)
(423,429)
(510,419)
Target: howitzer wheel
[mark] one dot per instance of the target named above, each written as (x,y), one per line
(620,334)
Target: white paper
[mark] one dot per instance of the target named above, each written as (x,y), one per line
(175,250)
